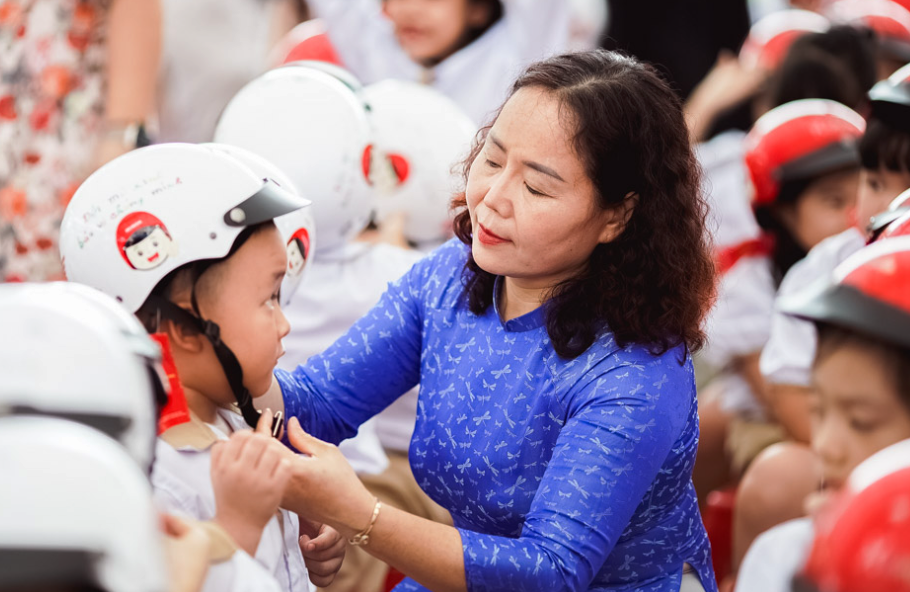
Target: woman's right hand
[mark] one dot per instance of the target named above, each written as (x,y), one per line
(249,475)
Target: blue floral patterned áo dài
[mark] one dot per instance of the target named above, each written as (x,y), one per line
(559,474)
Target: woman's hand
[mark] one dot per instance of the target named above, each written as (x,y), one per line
(323,550)
(249,475)
(323,486)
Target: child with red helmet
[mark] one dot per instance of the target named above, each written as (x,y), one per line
(803,165)
(787,357)
(859,403)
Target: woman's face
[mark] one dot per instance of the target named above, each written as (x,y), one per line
(827,207)
(533,209)
(430,30)
(856,410)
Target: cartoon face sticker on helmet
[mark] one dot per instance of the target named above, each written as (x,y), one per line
(298,251)
(384,171)
(144,241)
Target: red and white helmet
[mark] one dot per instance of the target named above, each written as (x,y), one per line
(862,541)
(770,38)
(420,136)
(70,351)
(888,19)
(75,511)
(307,41)
(156,209)
(890,99)
(153,210)
(314,129)
(297,228)
(870,294)
(798,141)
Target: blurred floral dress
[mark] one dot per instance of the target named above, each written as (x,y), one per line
(52,64)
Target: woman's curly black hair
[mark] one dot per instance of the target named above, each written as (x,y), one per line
(655,282)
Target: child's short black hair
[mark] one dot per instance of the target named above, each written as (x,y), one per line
(885,147)
(838,64)
(895,359)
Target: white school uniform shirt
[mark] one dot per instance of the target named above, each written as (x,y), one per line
(340,287)
(775,557)
(739,323)
(788,355)
(477,77)
(182,484)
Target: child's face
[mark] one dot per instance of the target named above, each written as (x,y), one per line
(877,189)
(243,300)
(824,209)
(431,30)
(856,410)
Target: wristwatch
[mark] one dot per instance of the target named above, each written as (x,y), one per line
(130,135)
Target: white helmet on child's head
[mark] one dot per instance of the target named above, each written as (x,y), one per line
(75,511)
(419,138)
(315,129)
(154,210)
(70,351)
(298,229)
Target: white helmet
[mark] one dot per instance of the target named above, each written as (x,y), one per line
(315,129)
(104,368)
(420,137)
(75,510)
(154,210)
(298,229)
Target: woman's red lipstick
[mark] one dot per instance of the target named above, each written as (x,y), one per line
(488,238)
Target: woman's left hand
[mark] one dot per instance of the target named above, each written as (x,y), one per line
(323,487)
(323,550)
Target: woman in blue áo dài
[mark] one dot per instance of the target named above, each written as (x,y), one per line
(557,417)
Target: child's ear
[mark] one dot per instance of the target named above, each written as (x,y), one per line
(183,338)
(618,217)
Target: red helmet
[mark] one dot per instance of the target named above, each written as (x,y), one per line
(888,19)
(770,38)
(798,141)
(862,540)
(870,294)
(890,99)
(308,41)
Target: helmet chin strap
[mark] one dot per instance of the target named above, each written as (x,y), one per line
(229,364)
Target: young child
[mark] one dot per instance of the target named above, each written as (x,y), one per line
(212,267)
(786,358)
(859,403)
(346,277)
(470,50)
(862,538)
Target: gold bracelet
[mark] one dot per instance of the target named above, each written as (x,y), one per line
(361,539)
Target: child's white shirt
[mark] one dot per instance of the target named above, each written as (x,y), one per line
(739,325)
(181,479)
(340,287)
(477,77)
(788,355)
(775,557)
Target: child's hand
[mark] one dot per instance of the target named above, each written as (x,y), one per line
(323,554)
(249,474)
